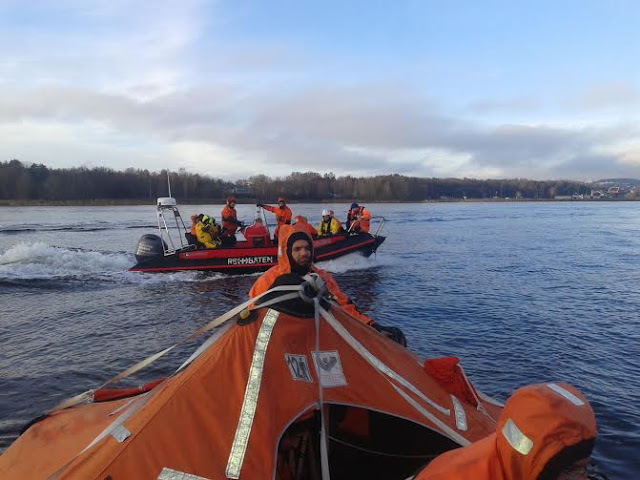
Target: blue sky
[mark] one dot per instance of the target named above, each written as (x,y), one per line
(490,89)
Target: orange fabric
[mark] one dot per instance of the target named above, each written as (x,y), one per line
(229,219)
(283,216)
(448,373)
(188,423)
(547,418)
(310,228)
(362,220)
(283,267)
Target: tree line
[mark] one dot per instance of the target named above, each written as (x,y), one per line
(37,182)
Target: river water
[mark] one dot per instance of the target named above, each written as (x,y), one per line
(521,292)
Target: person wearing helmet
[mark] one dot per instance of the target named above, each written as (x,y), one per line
(283,214)
(207,232)
(545,432)
(303,220)
(230,222)
(328,225)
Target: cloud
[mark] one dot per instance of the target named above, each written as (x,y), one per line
(163,85)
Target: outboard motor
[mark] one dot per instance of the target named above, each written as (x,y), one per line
(150,246)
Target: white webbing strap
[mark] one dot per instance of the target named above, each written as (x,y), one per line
(88,395)
(324,451)
(389,374)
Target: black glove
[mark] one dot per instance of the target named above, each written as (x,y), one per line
(393,333)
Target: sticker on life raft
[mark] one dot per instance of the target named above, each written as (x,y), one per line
(298,367)
(329,369)
(169,474)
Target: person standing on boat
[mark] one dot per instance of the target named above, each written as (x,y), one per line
(295,255)
(283,214)
(303,220)
(328,225)
(230,222)
(545,432)
(207,232)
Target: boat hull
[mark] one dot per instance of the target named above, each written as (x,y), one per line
(242,258)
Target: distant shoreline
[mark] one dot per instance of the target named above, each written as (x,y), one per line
(242,201)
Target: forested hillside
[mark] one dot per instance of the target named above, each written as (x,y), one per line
(39,183)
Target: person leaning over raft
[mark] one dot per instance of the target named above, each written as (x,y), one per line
(328,225)
(545,432)
(283,214)
(207,232)
(295,255)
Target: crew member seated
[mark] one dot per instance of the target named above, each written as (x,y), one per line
(358,219)
(207,232)
(328,225)
(191,237)
(303,220)
(257,234)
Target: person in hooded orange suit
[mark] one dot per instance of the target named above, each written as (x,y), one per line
(283,214)
(229,215)
(545,432)
(310,228)
(295,255)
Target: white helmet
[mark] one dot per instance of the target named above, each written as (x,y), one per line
(325,213)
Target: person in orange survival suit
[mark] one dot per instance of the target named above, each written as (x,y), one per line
(230,222)
(361,218)
(283,214)
(545,432)
(310,228)
(295,255)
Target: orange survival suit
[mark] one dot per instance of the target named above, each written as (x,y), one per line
(229,217)
(543,429)
(310,228)
(282,212)
(288,235)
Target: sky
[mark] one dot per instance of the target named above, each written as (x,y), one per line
(490,89)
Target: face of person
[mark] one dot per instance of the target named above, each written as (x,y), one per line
(281,204)
(301,252)
(326,218)
(232,204)
(577,471)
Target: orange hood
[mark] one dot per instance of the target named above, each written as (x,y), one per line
(538,423)
(287,236)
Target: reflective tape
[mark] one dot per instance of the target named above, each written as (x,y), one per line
(251,393)
(566,394)
(120,433)
(169,474)
(459,413)
(518,440)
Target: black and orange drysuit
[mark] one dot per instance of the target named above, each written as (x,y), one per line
(288,236)
(282,212)
(229,218)
(543,430)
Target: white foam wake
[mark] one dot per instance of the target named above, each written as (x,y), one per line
(40,261)
(353,261)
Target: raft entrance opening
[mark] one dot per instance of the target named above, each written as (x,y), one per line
(362,444)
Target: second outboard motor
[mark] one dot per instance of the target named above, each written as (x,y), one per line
(150,246)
